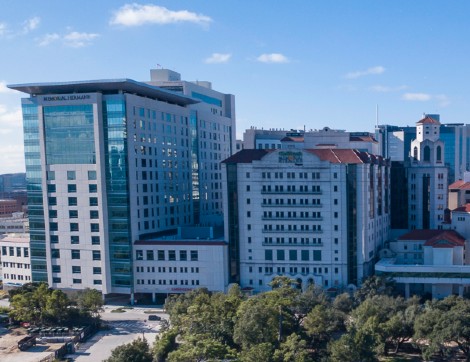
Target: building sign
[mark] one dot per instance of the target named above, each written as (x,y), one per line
(69,97)
(290,157)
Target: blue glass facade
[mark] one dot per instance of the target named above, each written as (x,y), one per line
(195,166)
(69,134)
(35,200)
(119,235)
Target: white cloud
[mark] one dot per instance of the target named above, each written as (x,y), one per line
(441,99)
(136,15)
(31,24)
(217,58)
(12,158)
(386,89)
(72,39)
(420,97)
(4,89)
(76,40)
(3,29)
(360,73)
(273,58)
(9,120)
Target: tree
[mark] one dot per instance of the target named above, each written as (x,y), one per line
(321,323)
(201,348)
(294,349)
(344,303)
(257,322)
(374,285)
(354,346)
(90,301)
(136,351)
(164,344)
(442,324)
(57,307)
(262,352)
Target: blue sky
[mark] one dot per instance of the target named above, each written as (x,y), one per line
(289,63)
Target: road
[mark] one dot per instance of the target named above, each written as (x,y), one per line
(124,328)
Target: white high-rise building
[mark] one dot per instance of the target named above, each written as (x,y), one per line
(427,177)
(316,215)
(110,162)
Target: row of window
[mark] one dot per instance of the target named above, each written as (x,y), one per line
(164,282)
(76,269)
(7,264)
(71,201)
(294,214)
(16,277)
(162,269)
(71,175)
(10,251)
(171,255)
(289,188)
(75,239)
(293,240)
(292,175)
(74,227)
(58,280)
(76,254)
(293,255)
(72,188)
(73,214)
(293,270)
(288,201)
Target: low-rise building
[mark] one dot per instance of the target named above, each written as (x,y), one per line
(193,258)
(15,259)
(15,224)
(431,262)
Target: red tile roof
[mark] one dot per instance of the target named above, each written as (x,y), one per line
(465,208)
(292,139)
(332,155)
(247,156)
(428,120)
(362,139)
(460,185)
(435,238)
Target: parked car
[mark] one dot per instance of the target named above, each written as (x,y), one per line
(153,317)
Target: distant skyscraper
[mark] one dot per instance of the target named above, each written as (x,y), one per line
(115,161)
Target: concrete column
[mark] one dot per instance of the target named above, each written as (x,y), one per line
(407,290)
(461,290)
(132,298)
(434,292)
(154,298)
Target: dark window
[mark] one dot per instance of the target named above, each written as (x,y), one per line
(53,226)
(194,255)
(139,255)
(317,255)
(161,254)
(74,226)
(94,214)
(96,270)
(268,255)
(96,255)
(95,240)
(51,188)
(149,254)
(305,255)
(92,188)
(55,253)
(75,254)
(54,239)
(72,188)
(74,239)
(183,255)
(73,214)
(76,269)
(292,254)
(94,227)
(93,201)
(171,255)
(72,201)
(280,255)
(56,268)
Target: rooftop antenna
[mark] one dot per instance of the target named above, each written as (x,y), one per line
(377,115)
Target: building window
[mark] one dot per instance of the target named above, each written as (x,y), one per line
(76,269)
(53,226)
(76,281)
(161,254)
(96,255)
(74,226)
(52,201)
(194,255)
(280,255)
(74,239)
(93,201)
(305,255)
(55,253)
(91,175)
(292,254)
(92,188)
(71,175)
(73,214)
(139,255)
(95,240)
(56,280)
(171,255)
(56,268)
(72,201)
(94,214)
(51,188)
(149,254)
(96,282)
(317,255)
(183,255)
(96,270)
(268,255)
(75,254)
(94,227)
(50,175)
(54,239)
(72,188)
